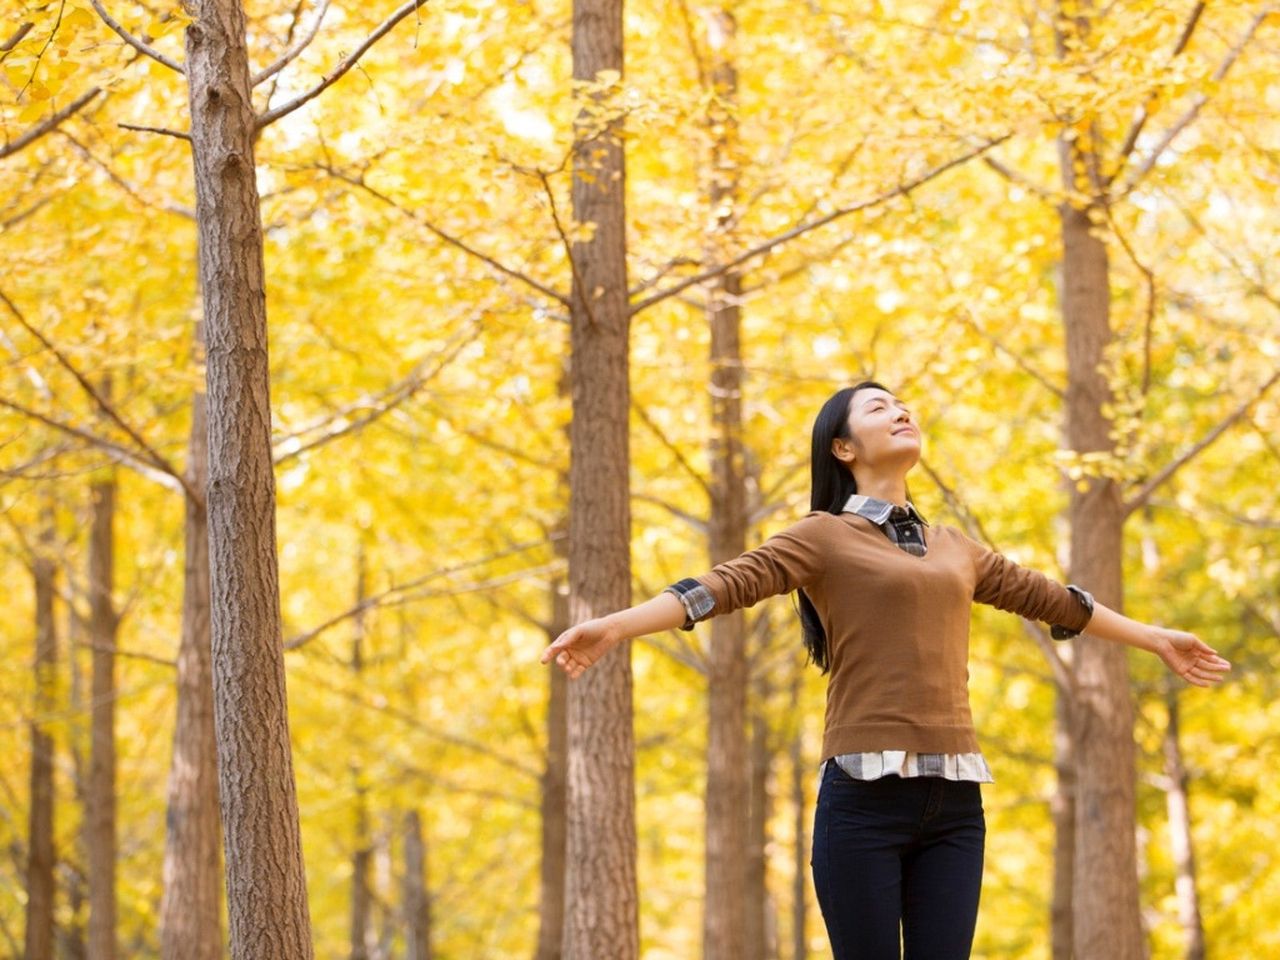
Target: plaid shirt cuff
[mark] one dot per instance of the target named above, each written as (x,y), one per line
(1059,632)
(698,600)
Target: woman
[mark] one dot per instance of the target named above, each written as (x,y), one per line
(884,603)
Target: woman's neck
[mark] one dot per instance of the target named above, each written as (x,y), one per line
(890,488)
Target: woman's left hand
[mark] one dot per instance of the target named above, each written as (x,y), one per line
(1189,657)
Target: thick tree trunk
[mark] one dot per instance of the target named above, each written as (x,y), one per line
(554,775)
(728,785)
(100,813)
(266,884)
(417,903)
(1180,836)
(40,850)
(190,905)
(602,911)
(1105,888)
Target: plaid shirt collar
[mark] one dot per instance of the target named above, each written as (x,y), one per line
(878,511)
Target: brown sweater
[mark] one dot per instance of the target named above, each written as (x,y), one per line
(897,625)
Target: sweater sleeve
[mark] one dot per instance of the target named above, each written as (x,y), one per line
(791,558)
(1003,584)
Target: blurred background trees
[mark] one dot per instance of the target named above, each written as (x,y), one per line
(1050,228)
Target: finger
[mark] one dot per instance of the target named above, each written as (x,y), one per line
(1204,677)
(558,644)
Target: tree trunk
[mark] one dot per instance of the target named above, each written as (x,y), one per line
(1180,836)
(417,904)
(361,859)
(70,934)
(602,911)
(190,905)
(266,884)
(40,851)
(100,813)
(1063,810)
(384,882)
(760,934)
(551,901)
(728,788)
(799,887)
(1105,887)
(361,901)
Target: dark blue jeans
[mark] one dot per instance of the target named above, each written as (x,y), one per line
(898,852)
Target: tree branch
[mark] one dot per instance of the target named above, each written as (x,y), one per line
(1135,130)
(1019,179)
(49,123)
(163,131)
(1197,104)
(133,41)
(292,54)
(568,251)
(672,448)
(1145,491)
(16,38)
(512,763)
(334,75)
(155,458)
(442,235)
(698,524)
(119,453)
(804,227)
(413,591)
(375,407)
(1149,320)
(126,186)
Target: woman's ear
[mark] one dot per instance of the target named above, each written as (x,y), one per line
(842,450)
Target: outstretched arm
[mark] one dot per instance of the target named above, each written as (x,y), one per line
(583,644)
(1184,653)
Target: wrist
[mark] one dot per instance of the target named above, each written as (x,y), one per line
(614,632)
(1156,640)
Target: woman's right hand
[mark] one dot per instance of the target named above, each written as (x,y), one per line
(581,645)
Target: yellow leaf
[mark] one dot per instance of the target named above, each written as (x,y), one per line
(78,19)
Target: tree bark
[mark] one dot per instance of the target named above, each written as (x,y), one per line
(555,773)
(1184,857)
(1105,885)
(100,813)
(40,819)
(760,933)
(602,911)
(417,904)
(389,912)
(799,886)
(362,857)
(728,792)
(190,905)
(361,901)
(1063,810)
(71,934)
(266,884)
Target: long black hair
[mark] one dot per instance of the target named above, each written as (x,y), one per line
(832,485)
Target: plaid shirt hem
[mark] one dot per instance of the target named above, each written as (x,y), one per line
(873,765)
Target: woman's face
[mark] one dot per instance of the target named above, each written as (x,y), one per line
(883,432)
